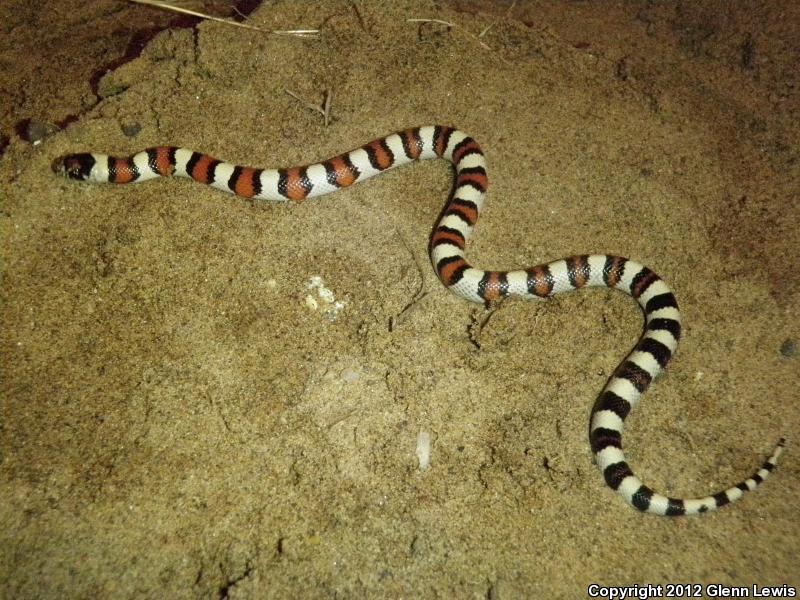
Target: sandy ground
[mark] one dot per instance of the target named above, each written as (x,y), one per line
(179,421)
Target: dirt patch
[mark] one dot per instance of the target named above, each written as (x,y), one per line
(178,419)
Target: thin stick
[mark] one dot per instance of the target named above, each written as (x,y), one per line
(325,110)
(490,25)
(166,6)
(448,23)
(326,107)
(453,25)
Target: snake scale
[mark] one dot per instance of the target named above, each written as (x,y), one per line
(631,378)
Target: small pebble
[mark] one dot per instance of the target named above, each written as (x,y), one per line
(789,348)
(350,375)
(36,131)
(131,129)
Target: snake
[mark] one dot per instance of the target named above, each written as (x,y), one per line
(628,382)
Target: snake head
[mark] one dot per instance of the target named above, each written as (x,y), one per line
(74,166)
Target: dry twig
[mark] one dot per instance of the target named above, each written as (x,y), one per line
(324,110)
(452,25)
(167,6)
(490,25)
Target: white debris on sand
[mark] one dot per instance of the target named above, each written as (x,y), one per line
(325,299)
(423,451)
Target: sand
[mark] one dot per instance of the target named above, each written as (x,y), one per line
(184,417)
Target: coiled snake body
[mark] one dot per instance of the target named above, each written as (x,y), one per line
(630,379)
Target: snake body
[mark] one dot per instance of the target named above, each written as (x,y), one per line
(631,378)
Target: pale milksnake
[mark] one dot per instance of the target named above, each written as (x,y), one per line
(630,379)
